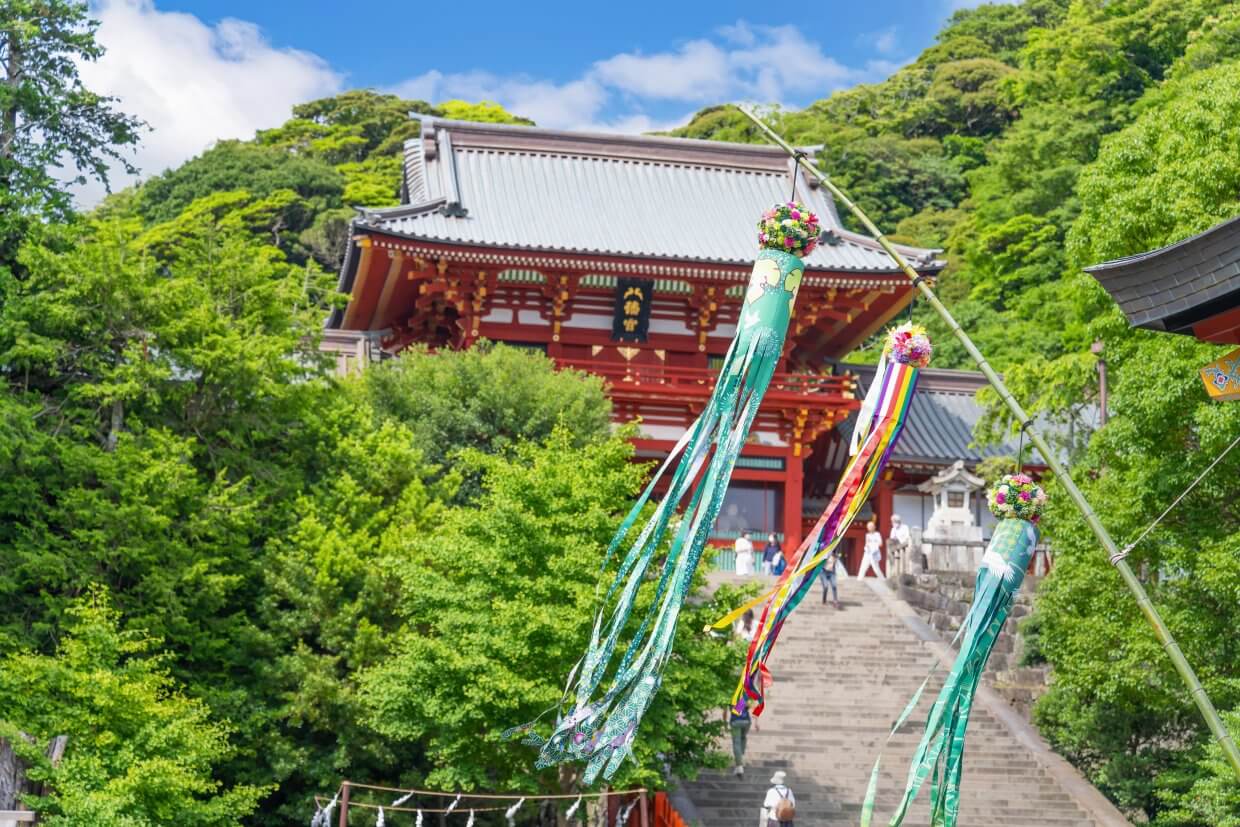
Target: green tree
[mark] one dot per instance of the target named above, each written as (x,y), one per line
(48,118)
(139,752)
(490,398)
(502,600)
(1116,707)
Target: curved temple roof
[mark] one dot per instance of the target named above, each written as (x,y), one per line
(526,188)
(1190,287)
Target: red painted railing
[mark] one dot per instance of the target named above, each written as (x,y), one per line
(785,387)
(665,814)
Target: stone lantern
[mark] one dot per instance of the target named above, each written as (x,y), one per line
(952,532)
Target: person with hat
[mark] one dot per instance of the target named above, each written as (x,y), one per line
(780,806)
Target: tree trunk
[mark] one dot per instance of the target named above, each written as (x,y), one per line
(8,118)
(114,430)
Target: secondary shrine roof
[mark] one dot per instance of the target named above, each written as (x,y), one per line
(525,188)
(1187,287)
(940,423)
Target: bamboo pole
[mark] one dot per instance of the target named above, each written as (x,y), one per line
(1197,692)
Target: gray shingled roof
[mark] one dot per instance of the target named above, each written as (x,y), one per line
(649,197)
(939,427)
(1174,286)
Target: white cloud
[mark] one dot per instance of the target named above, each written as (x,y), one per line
(193,83)
(196,84)
(699,70)
(569,104)
(745,62)
(885,42)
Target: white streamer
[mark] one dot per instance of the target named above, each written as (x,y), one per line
(624,817)
(402,799)
(511,815)
(324,816)
(470,823)
(419,824)
(573,809)
(452,806)
(380,822)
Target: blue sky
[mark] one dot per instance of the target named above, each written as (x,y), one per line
(201,70)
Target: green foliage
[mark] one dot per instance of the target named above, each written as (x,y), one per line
(139,752)
(490,398)
(1034,139)
(236,165)
(49,120)
(1169,174)
(505,594)
(483,112)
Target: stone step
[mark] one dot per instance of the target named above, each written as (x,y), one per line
(841,678)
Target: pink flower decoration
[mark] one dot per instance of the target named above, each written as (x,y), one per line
(1000,498)
(1024,495)
(796,216)
(788,242)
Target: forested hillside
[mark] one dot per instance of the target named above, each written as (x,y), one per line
(1031,140)
(261,579)
(234,579)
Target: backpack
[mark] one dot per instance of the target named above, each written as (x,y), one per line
(785,810)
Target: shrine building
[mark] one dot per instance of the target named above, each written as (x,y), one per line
(627,257)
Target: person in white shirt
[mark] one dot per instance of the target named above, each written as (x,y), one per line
(778,793)
(744,555)
(872,556)
(899,541)
(746,627)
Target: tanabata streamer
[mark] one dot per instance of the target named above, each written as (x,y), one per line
(878,427)
(599,730)
(1018,502)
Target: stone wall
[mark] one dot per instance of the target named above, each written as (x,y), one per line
(943,598)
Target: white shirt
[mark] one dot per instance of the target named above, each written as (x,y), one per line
(744,556)
(873,544)
(773,796)
(901,535)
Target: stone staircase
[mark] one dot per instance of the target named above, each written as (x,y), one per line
(841,679)
(942,599)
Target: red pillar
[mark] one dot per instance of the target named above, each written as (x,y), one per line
(883,509)
(794,486)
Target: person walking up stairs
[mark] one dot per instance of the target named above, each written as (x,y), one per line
(840,681)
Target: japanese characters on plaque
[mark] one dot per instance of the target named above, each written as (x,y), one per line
(631,322)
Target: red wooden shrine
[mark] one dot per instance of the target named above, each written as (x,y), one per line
(537,238)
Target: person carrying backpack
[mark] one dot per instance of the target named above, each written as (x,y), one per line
(780,806)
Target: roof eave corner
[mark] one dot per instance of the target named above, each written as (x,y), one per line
(348,272)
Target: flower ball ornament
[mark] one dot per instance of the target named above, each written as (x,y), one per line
(909,345)
(1017,496)
(789,227)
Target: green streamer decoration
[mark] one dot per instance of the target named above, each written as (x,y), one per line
(599,730)
(1018,502)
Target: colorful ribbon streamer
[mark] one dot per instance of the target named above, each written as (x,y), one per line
(878,427)
(940,754)
(600,730)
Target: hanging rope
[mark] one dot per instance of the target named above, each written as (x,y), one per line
(796,172)
(1122,553)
